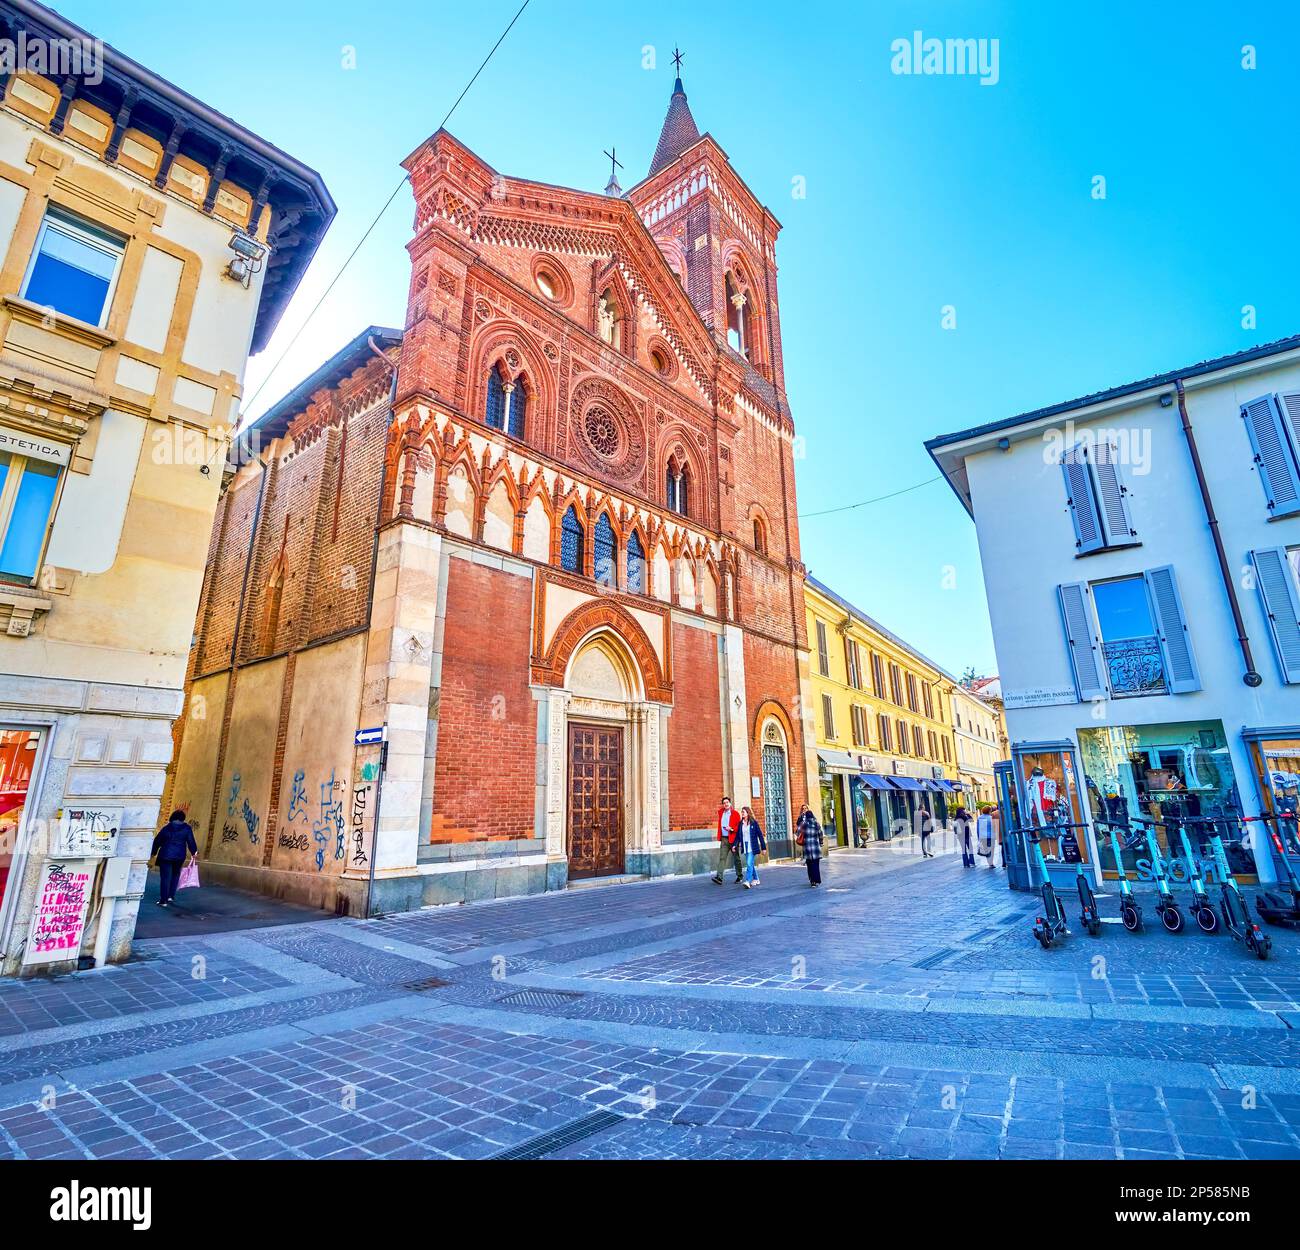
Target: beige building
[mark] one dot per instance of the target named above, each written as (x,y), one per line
(977,728)
(147,244)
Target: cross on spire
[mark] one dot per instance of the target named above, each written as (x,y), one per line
(678,58)
(614,162)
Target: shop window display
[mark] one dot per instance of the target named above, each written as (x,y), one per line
(1171,778)
(17,756)
(1050,789)
(1277,774)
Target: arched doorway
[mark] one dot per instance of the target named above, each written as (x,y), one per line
(603,684)
(776,790)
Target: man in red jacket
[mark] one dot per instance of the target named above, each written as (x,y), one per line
(728,825)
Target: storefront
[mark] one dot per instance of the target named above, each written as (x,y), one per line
(871,806)
(1169,780)
(1275,759)
(20,759)
(1045,775)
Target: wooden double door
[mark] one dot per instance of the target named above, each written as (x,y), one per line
(595,800)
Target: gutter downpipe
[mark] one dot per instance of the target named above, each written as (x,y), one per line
(1251,677)
(370,604)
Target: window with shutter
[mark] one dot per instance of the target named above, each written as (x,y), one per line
(1175,639)
(1113,496)
(886,735)
(878,675)
(828,716)
(1280,596)
(823,654)
(1084,512)
(1079,641)
(1273,426)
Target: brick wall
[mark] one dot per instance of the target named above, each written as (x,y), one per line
(769,677)
(485,772)
(695,773)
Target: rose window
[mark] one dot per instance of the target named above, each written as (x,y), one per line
(601,431)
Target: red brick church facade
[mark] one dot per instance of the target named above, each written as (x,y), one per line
(546,534)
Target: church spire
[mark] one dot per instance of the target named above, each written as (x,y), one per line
(679,130)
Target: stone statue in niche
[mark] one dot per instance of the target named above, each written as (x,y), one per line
(607,320)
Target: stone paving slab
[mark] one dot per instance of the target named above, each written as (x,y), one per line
(904,1011)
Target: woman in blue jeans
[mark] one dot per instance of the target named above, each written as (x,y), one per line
(750,843)
(173,840)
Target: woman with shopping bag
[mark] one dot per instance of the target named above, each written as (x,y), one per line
(169,847)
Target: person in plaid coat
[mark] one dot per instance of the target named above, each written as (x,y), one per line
(808,833)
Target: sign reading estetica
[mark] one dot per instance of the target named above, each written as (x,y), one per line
(20,443)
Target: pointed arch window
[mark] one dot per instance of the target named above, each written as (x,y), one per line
(635,565)
(571,542)
(677,488)
(605,550)
(506,407)
(737,316)
(760,537)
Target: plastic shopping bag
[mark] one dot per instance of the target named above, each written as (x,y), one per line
(189,878)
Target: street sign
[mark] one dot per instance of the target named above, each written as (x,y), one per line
(372,737)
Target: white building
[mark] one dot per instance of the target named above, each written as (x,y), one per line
(1140,550)
(147,244)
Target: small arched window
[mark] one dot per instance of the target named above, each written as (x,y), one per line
(605,551)
(677,488)
(635,565)
(571,542)
(495,411)
(760,537)
(517,404)
(737,316)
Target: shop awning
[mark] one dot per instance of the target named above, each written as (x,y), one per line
(839,761)
(906,783)
(875,781)
(943,783)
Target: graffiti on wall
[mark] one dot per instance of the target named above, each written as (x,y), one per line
(329,830)
(360,801)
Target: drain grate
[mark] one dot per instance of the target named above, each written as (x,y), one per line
(557,1139)
(429,983)
(980,934)
(933,961)
(1012,917)
(540,998)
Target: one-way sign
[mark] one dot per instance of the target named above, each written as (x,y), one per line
(369,737)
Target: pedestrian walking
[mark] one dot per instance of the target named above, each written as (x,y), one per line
(728,826)
(750,843)
(986,835)
(961,825)
(169,847)
(808,834)
(926,824)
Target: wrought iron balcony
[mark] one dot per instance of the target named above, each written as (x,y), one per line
(1135,667)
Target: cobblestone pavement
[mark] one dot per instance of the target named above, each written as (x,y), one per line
(903,1010)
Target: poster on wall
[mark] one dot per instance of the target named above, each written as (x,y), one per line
(86,832)
(59,918)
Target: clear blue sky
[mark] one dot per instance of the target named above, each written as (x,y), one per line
(921,192)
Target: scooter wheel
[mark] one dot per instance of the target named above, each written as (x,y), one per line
(1172,919)
(1044,938)
(1132,918)
(1206,918)
(1263,944)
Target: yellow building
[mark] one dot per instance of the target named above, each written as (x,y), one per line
(883,718)
(978,728)
(147,243)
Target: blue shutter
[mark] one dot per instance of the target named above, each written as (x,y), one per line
(1117,522)
(1281,599)
(635,565)
(1088,533)
(518,410)
(604,551)
(495,414)
(1079,641)
(1267,423)
(1171,623)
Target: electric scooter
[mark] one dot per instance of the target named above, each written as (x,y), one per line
(1235,915)
(1201,908)
(1273,908)
(1129,910)
(1088,914)
(1051,924)
(1170,916)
